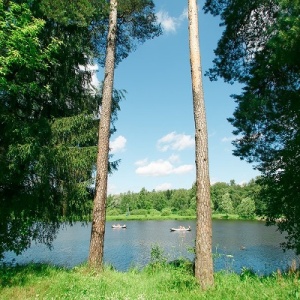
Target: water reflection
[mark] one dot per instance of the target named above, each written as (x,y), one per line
(236,244)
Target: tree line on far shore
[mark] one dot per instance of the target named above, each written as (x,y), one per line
(226,198)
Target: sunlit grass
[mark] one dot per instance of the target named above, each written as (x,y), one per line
(124,217)
(148,217)
(156,281)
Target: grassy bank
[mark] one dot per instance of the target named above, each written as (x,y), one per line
(124,217)
(153,282)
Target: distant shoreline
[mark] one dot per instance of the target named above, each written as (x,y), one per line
(176,217)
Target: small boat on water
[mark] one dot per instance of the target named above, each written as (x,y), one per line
(119,226)
(181,228)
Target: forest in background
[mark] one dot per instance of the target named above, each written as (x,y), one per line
(226,198)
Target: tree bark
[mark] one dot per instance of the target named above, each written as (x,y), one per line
(99,211)
(203,261)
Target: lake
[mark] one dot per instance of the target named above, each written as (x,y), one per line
(236,244)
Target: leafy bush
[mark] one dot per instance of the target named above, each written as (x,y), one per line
(139,212)
(113,212)
(154,212)
(157,259)
(157,255)
(246,209)
(166,211)
(225,205)
(188,212)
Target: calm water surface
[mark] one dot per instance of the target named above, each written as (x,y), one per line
(237,244)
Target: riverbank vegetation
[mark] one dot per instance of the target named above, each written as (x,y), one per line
(149,216)
(157,281)
(228,200)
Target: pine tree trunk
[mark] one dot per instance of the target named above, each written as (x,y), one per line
(99,213)
(203,261)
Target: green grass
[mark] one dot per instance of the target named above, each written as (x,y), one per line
(148,217)
(123,217)
(156,281)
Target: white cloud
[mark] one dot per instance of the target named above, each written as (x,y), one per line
(94,69)
(184,15)
(155,168)
(163,187)
(168,23)
(231,138)
(118,144)
(243,182)
(95,81)
(174,158)
(141,162)
(183,169)
(174,141)
(162,168)
(228,139)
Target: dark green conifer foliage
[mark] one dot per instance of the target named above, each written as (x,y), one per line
(260,49)
(49,112)
(48,124)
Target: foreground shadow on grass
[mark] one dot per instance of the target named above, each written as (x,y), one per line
(19,275)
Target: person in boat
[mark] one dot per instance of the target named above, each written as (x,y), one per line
(118,225)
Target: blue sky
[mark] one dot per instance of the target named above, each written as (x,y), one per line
(155,127)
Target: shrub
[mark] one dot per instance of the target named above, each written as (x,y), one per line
(154,212)
(188,212)
(113,212)
(139,212)
(246,209)
(226,206)
(166,211)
